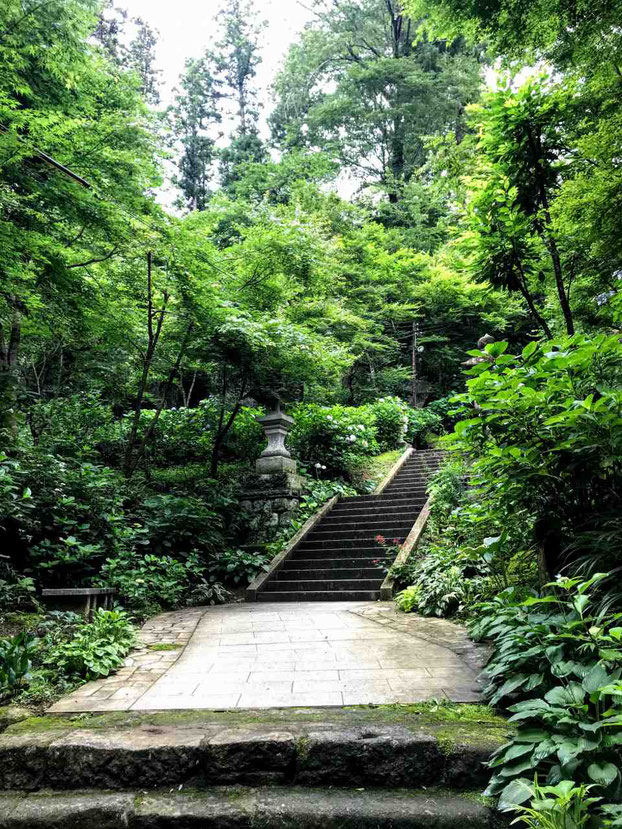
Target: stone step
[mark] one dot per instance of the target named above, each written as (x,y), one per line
(364,519)
(337,572)
(319,596)
(243,808)
(392,528)
(333,583)
(300,565)
(352,511)
(372,500)
(383,525)
(310,747)
(366,541)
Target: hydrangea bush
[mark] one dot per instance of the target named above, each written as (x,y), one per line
(336,437)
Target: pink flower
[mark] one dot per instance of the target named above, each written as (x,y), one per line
(380,539)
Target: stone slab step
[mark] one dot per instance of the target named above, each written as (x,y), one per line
(366,541)
(364,519)
(330,583)
(320,596)
(347,512)
(373,500)
(327,573)
(394,529)
(311,747)
(300,565)
(242,808)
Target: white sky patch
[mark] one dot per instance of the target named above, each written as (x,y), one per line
(186,27)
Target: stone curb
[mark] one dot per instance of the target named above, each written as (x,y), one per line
(252,808)
(202,755)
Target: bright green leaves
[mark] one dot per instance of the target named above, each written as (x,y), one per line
(558,673)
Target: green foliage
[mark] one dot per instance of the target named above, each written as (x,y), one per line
(564,806)
(421,426)
(408,599)
(97,647)
(16,661)
(179,524)
(16,592)
(208,593)
(238,567)
(337,438)
(439,589)
(513,239)
(545,429)
(150,582)
(361,86)
(469,553)
(391,418)
(556,667)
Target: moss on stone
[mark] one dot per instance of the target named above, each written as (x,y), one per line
(452,724)
(164,646)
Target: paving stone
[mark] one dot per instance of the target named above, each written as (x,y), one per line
(319,654)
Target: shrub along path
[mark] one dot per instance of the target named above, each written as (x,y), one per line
(287,655)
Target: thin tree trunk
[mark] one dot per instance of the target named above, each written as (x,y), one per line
(153,335)
(223,428)
(140,452)
(546,233)
(9,351)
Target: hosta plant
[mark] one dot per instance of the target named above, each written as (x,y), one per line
(556,668)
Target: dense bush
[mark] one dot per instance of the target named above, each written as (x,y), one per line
(336,437)
(237,567)
(468,553)
(184,435)
(422,425)
(556,667)
(391,419)
(16,592)
(149,583)
(545,431)
(62,649)
(171,523)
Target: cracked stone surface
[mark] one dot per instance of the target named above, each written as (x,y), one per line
(288,655)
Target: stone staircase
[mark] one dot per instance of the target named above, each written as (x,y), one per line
(350,768)
(335,560)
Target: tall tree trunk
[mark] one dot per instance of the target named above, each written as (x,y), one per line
(224,426)
(153,336)
(521,281)
(9,351)
(142,447)
(545,230)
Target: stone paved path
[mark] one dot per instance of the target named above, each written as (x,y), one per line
(287,655)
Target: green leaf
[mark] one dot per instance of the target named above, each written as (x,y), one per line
(602,773)
(517,792)
(572,694)
(596,678)
(529,350)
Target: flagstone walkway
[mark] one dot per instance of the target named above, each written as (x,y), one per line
(287,655)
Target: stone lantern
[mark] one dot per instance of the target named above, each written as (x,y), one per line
(275,457)
(272,495)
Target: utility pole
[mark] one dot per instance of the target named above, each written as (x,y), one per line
(413,387)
